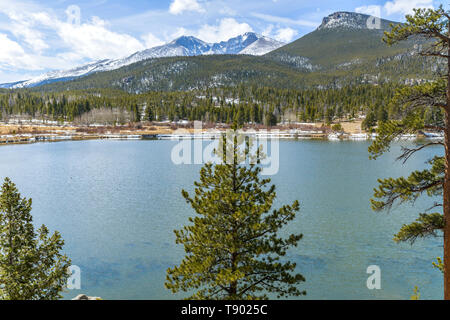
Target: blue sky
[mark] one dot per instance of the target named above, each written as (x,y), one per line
(39,36)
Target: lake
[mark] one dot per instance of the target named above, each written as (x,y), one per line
(116,204)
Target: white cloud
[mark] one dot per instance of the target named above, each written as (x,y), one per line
(23,28)
(150,40)
(372,10)
(14,57)
(11,51)
(179,6)
(226,29)
(35,38)
(268,31)
(94,41)
(406,6)
(178,33)
(72,44)
(285,34)
(282,34)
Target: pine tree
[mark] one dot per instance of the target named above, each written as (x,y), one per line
(270,119)
(31,265)
(369,122)
(232,247)
(413,103)
(149,116)
(137,113)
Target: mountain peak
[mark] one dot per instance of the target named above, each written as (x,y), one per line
(246,38)
(251,34)
(343,19)
(247,43)
(188,41)
(262,46)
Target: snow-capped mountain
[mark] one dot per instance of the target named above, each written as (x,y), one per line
(183,46)
(262,46)
(66,75)
(238,44)
(248,43)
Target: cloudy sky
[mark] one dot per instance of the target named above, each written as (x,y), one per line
(39,36)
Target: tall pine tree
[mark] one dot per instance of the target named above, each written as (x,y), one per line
(232,246)
(413,103)
(32,266)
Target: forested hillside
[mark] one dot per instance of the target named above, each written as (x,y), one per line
(340,71)
(341,52)
(241,104)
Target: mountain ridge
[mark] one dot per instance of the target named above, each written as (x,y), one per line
(342,38)
(353,20)
(181,46)
(343,52)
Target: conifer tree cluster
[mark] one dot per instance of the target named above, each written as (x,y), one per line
(242,105)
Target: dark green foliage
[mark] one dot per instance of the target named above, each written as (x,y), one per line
(242,104)
(136,113)
(400,190)
(425,23)
(149,114)
(331,47)
(417,107)
(232,246)
(31,264)
(204,72)
(337,127)
(426,225)
(370,121)
(187,73)
(322,59)
(270,119)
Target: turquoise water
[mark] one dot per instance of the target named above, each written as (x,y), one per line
(117,203)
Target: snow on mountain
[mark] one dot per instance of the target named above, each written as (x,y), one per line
(348,20)
(262,46)
(183,46)
(102,65)
(235,45)
(10,85)
(248,43)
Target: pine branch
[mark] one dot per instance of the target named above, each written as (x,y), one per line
(424,226)
(408,152)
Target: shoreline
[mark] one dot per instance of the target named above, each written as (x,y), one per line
(41,132)
(205,135)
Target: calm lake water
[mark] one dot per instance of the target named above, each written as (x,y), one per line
(117,203)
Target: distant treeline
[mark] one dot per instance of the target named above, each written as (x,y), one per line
(241,104)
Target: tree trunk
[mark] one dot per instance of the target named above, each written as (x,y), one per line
(233,284)
(447,207)
(446,202)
